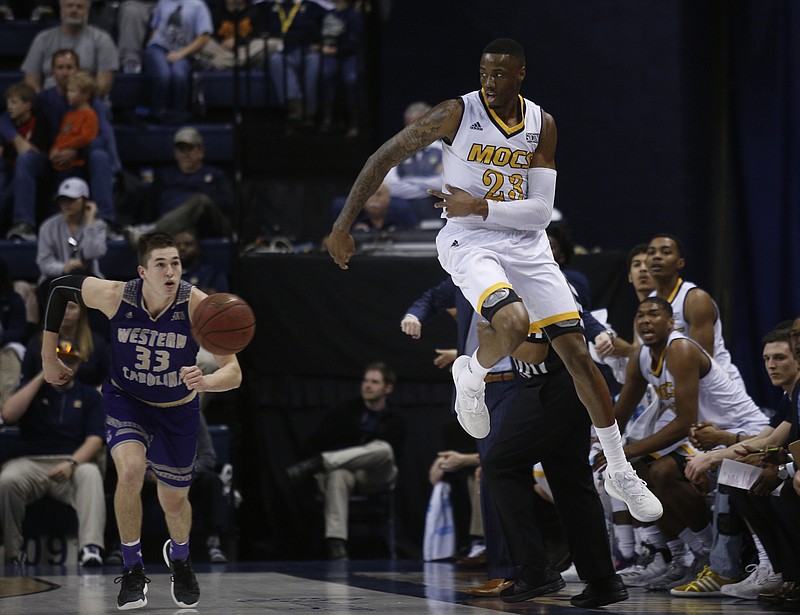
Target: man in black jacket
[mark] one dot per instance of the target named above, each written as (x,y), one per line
(356,446)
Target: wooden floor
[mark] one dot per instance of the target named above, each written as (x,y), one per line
(374,586)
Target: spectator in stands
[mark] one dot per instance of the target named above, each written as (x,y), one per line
(133,24)
(94,46)
(295,32)
(209,504)
(411,179)
(380,217)
(62,429)
(102,159)
(180,29)
(342,30)
(24,139)
(355,449)
(13,334)
(73,241)
(206,276)
(77,325)
(189,193)
(235,23)
(79,126)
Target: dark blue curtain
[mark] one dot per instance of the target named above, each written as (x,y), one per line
(765,101)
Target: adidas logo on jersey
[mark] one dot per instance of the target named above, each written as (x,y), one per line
(454,244)
(476,126)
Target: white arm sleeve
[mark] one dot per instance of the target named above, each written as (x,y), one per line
(533,213)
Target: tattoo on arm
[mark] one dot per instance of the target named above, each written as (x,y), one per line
(441,122)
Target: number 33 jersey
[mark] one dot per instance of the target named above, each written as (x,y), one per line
(147,353)
(489,159)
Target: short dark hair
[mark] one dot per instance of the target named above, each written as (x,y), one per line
(678,242)
(639,248)
(152,241)
(65,52)
(778,334)
(560,233)
(658,301)
(506,46)
(389,377)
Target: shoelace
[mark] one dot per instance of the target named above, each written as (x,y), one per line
(633,485)
(124,576)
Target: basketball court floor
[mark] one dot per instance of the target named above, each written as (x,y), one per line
(370,586)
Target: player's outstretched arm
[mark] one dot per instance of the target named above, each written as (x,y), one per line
(88,292)
(441,122)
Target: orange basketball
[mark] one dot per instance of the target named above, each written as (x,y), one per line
(223,323)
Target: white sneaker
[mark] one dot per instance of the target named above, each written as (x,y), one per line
(471,409)
(761,579)
(628,487)
(671,577)
(643,575)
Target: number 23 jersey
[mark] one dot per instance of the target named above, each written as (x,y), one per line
(489,159)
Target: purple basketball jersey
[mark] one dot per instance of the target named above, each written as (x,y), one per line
(147,354)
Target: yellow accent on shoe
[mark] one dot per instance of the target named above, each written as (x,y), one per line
(707,583)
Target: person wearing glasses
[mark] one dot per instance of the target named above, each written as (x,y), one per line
(73,240)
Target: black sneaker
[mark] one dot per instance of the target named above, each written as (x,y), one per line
(185,590)
(133,593)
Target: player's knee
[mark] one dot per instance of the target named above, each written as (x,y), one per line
(499,299)
(130,472)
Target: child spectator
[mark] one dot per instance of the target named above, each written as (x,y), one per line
(29,140)
(80,125)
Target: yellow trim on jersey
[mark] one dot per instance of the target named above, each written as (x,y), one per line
(660,365)
(675,290)
(168,404)
(685,450)
(539,325)
(509,131)
(489,291)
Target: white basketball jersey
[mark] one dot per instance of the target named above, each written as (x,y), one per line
(489,159)
(677,299)
(720,400)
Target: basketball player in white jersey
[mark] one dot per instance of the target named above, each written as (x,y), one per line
(691,386)
(499,175)
(695,313)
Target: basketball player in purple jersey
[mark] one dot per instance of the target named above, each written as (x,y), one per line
(151,400)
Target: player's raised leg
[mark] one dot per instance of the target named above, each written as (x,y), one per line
(622,481)
(507,328)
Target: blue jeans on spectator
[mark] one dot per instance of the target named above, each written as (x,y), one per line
(340,72)
(726,549)
(300,63)
(167,78)
(28,174)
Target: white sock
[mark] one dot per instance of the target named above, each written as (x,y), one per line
(637,540)
(677,548)
(763,558)
(652,536)
(611,442)
(623,536)
(472,377)
(699,542)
